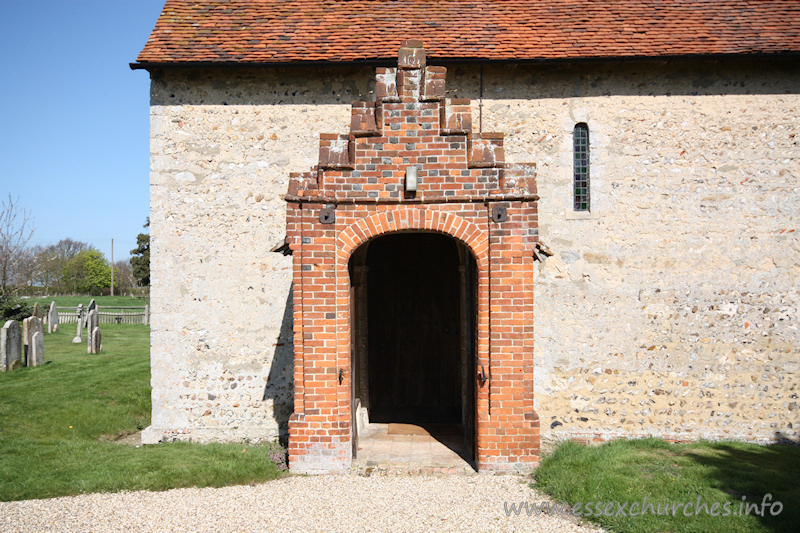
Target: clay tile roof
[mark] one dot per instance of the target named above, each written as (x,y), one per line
(288,31)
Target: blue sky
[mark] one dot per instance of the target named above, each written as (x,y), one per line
(74,118)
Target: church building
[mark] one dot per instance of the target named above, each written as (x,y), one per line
(524,221)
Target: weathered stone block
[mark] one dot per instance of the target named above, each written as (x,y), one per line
(486,150)
(408,84)
(386,84)
(520,177)
(362,121)
(435,83)
(411,55)
(334,151)
(456,117)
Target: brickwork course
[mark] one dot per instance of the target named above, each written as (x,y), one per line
(668,309)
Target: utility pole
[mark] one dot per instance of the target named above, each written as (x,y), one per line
(112,267)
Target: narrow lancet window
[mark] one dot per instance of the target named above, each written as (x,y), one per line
(580,168)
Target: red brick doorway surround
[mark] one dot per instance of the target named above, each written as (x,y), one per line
(361,190)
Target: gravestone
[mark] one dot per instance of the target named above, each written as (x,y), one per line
(37,349)
(37,312)
(79,335)
(94,341)
(92,321)
(25,339)
(34,325)
(52,318)
(10,346)
(92,307)
(91,324)
(31,326)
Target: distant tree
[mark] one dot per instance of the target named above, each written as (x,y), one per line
(30,271)
(42,266)
(87,273)
(16,230)
(123,279)
(66,249)
(140,258)
(62,253)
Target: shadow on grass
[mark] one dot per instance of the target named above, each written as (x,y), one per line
(677,478)
(750,473)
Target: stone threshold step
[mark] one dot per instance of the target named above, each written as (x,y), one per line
(411,470)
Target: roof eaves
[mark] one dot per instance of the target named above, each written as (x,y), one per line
(223,65)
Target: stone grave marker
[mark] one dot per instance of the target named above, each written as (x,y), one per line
(93,321)
(52,318)
(91,324)
(37,349)
(79,335)
(92,307)
(31,326)
(35,324)
(95,340)
(37,312)
(10,346)
(25,339)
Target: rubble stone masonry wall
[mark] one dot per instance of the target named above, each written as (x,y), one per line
(670,309)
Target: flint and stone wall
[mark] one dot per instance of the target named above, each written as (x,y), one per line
(670,309)
(222,147)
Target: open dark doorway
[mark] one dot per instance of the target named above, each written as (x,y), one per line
(414,336)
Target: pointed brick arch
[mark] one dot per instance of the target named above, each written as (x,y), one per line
(414,219)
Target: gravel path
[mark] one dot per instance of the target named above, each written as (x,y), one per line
(316,503)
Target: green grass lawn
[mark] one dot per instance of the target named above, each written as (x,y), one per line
(73,301)
(58,422)
(627,471)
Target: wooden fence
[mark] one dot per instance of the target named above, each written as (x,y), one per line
(108,315)
(123,315)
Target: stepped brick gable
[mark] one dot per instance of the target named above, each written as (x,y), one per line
(358,192)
